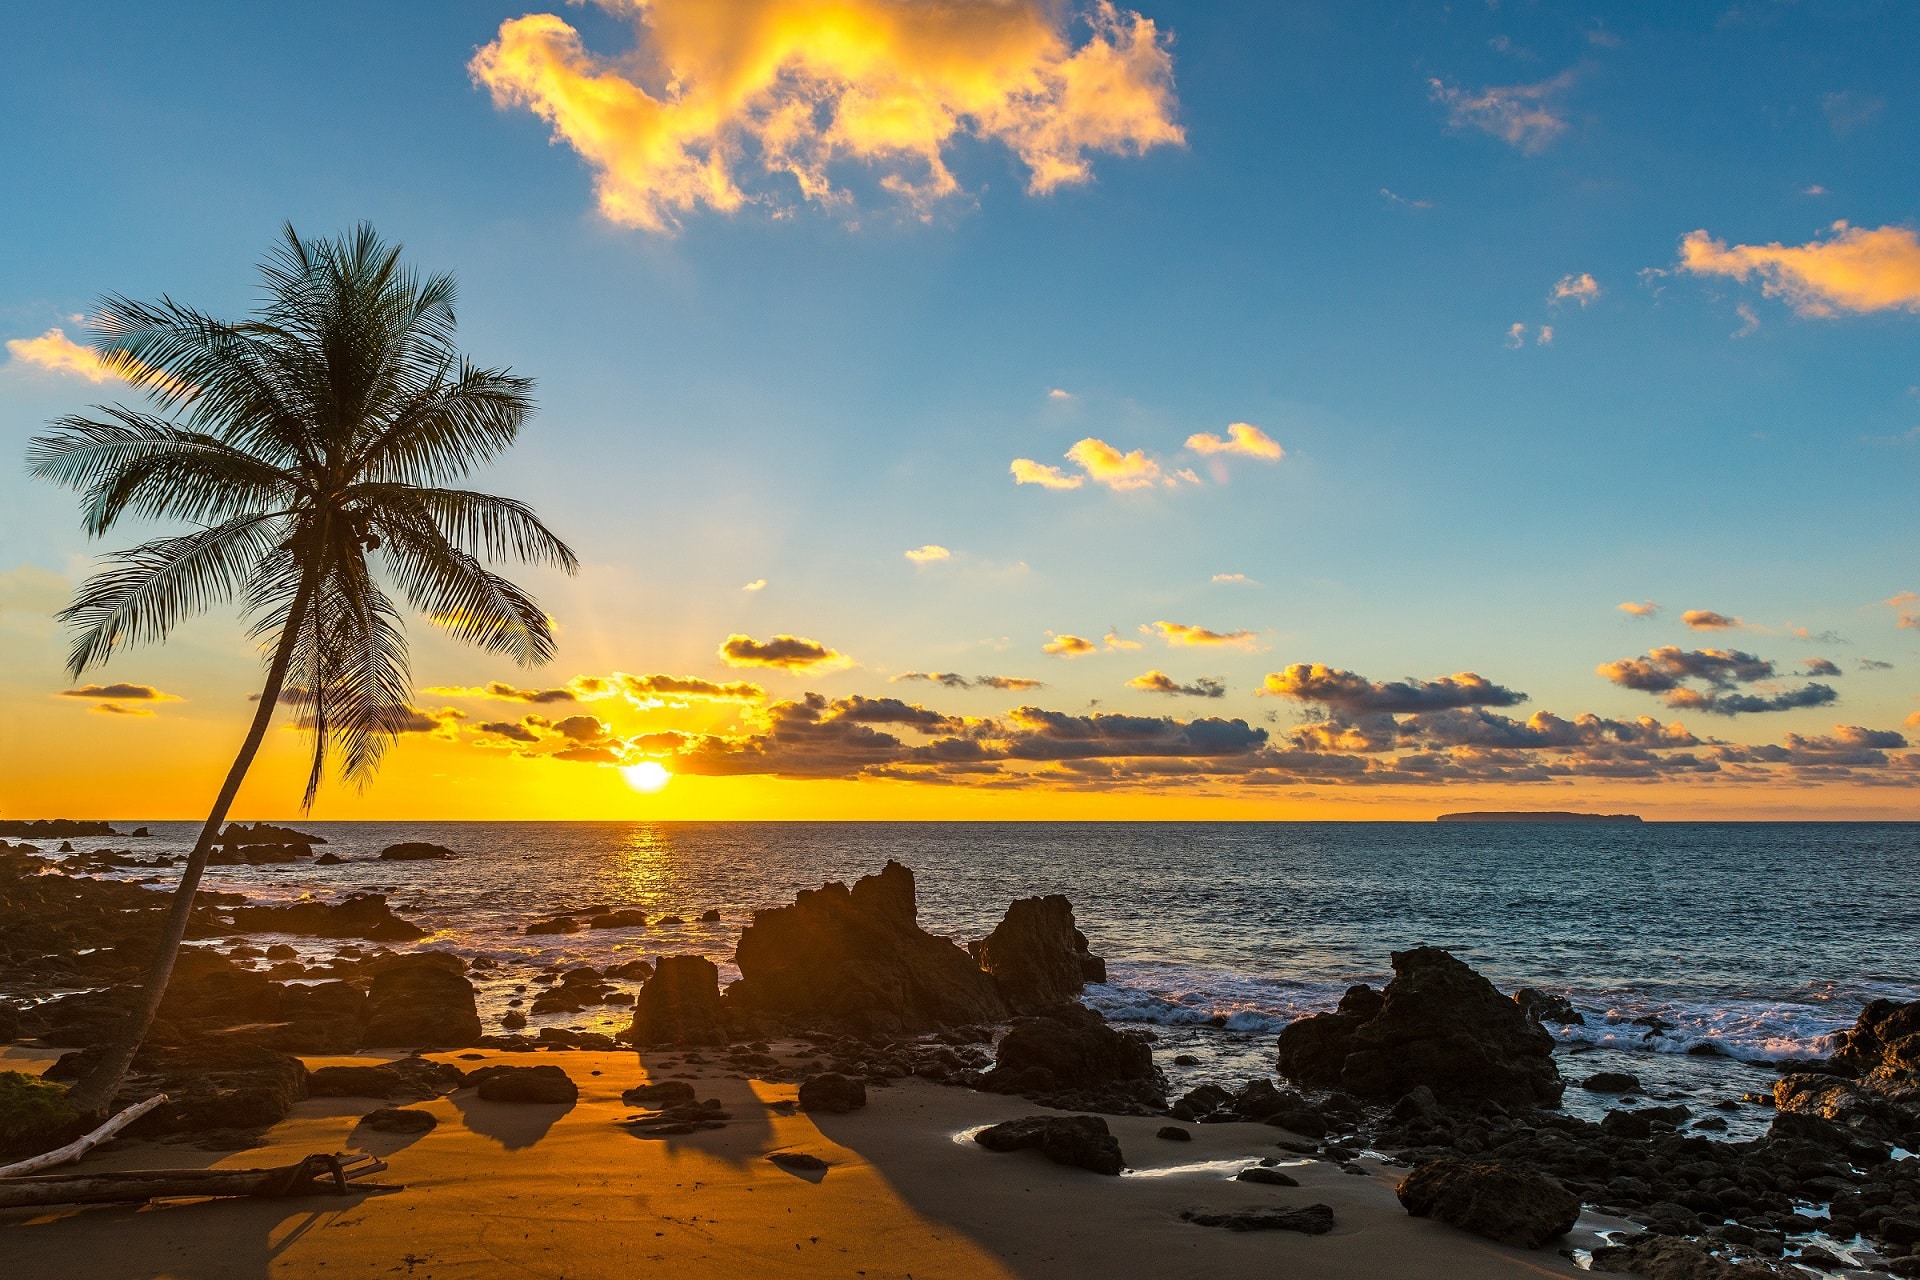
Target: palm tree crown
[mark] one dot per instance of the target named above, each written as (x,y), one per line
(301,442)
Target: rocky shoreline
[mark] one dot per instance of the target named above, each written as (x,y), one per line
(1438,1071)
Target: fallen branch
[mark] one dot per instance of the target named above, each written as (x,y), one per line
(80,1146)
(312,1176)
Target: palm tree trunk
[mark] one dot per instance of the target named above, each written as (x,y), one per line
(93,1095)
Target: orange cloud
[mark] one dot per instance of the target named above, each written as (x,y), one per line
(758,584)
(1069,646)
(1639,608)
(120,692)
(1027,471)
(801,85)
(1106,465)
(55,352)
(650,689)
(1907,605)
(1708,620)
(1157,681)
(1854,269)
(1582,289)
(1243,438)
(1179,633)
(1526,116)
(783,652)
(1114,640)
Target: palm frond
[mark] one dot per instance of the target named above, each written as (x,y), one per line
(155,469)
(154,585)
(460,594)
(480,524)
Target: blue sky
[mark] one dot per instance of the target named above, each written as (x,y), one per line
(804,397)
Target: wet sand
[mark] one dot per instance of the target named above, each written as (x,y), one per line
(528,1190)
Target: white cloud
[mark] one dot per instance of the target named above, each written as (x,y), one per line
(929,554)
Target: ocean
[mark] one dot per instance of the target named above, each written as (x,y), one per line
(1748,944)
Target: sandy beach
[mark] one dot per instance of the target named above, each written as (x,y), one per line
(504,1189)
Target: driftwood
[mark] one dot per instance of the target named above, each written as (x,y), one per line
(80,1146)
(311,1176)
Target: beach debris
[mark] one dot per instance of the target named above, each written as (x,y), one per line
(1068,1056)
(1084,1142)
(400,1120)
(1313,1219)
(1035,955)
(832,1092)
(1510,1205)
(543,1083)
(1267,1176)
(856,959)
(1173,1133)
(315,1175)
(1438,1023)
(417,851)
(679,1004)
(660,1094)
(678,1119)
(80,1146)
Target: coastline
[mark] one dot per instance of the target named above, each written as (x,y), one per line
(502,1189)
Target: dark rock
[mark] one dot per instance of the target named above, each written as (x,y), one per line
(35,1115)
(628,919)
(1640,1123)
(281,951)
(1305,1121)
(799,1162)
(1510,1205)
(1036,956)
(417,851)
(53,829)
(328,860)
(9,1024)
(857,959)
(1884,1040)
(631,970)
(1611,1082)
(1070,1049)
(558,924)
(1438,1023)
(832,1092)
(524,1084)
(1313,1219)
(660,1094)
(239,833)
(1186,1060)
(1173,1133)
(217,1083)
(399,1120)
(1266,1176)
(679,1004)
(413,1079)
(421,1000)
(1544,1006)
(362,915)
(710,916)
(1665,1257)
(140,833)
(669,920)
(1419,1104)
(513,1020)
(1082,1141)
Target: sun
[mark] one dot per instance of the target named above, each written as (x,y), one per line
(648,776)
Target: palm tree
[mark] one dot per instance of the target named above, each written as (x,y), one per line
(297,442)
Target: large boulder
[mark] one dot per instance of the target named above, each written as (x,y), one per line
(1069,1056)
(1884,1040)
(1036,956)
(679,1004)
(1082,1141)
(1439,1024)
(422,1000)
(217,1083)
(857,960)
(833,1093)
(417,851)
(1509,1205)
(408,1079)
(525,1084)
(362,915)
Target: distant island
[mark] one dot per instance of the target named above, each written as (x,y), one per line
(1545,815)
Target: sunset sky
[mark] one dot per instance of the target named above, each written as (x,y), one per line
(1019,409)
